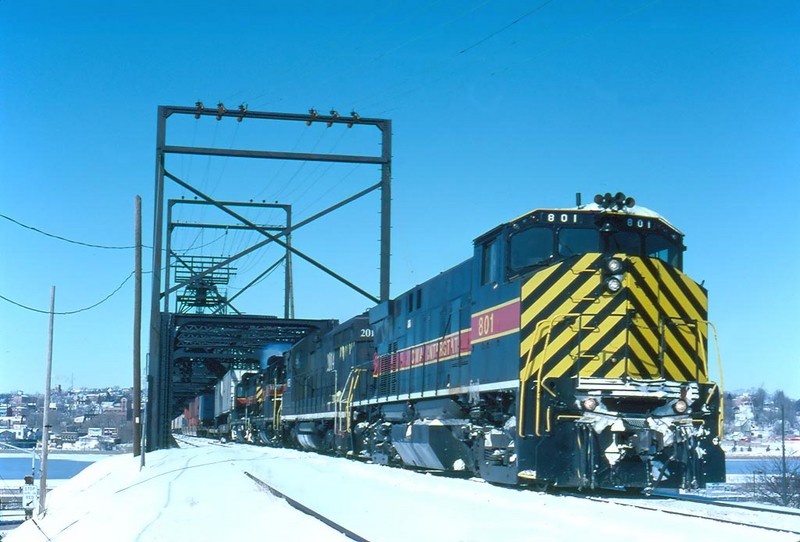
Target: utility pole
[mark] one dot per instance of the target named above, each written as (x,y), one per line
(137,332)
(785,495)
(46,416)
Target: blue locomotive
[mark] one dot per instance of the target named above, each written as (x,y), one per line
(570,350)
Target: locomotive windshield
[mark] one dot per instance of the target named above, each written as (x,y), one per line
(547,236)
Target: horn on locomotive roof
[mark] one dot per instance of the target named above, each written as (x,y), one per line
(615,202)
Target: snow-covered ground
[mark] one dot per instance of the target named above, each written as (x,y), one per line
(201,493)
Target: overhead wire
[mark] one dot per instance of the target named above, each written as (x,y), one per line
(314,179)
(74,242)
(185,251)
(312,61)
(106,298)
(203,182)
(578,37)
(252,260)
(289,189)
(301,212)
(448,75)
(506,27)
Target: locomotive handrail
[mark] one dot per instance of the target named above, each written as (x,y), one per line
(345,400)
(350,393)
(525,375)
(539,383)
(527,371)
(721,414)
(720,385)
(277,406)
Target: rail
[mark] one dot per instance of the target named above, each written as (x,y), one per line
(765,524)
(306,510)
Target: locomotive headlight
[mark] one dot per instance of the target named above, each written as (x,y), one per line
(680,406)
(613,284)
(613,272)
(614,265)
(590,404)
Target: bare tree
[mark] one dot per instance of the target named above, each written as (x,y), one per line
(770,484)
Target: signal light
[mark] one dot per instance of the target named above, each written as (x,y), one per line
(680,406)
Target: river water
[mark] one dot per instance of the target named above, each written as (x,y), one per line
(770,465)
(14,467)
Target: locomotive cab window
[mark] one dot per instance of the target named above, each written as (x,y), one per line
(490,262)
(577,241)
(666,250)
(626,242)
(530,247)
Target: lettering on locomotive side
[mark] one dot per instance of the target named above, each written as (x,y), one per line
(448,347)
(496,321)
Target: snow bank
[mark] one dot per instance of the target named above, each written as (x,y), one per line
(203,494)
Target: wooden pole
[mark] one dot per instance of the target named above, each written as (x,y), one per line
(137,334)
(46,416)
(785,495)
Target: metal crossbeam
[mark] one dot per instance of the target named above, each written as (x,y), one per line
(189,352)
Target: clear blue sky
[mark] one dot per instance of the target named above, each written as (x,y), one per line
(498,108)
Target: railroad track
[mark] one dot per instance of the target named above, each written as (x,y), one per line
(306,510)
(744,515)
(189,441)
(781,521)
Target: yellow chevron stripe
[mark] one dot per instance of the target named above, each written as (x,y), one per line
(681,357)
(536,280)
(650,365)
(671,371)
(652,304)
(592,367)
(580,267)
(684,306)
(616,372)
(565,308)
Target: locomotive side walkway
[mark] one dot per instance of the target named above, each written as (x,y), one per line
(202,493)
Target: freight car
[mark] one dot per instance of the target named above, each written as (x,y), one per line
(570,350)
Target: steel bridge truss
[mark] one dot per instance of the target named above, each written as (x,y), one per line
(190,352)
(202,275)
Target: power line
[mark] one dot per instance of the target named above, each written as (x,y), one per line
(92,245)
(75,311)
(506,27)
